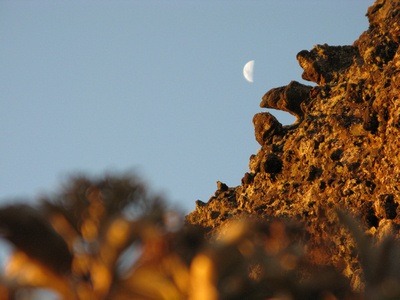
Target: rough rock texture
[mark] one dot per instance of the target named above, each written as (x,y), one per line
(288,98)
(342,153)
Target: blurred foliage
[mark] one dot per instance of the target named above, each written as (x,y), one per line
(109,239)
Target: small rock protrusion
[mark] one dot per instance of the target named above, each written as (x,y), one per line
(265,126)
(323,63)
(200,203)
(288,98)
(254,164)
(222,187)
(247,178)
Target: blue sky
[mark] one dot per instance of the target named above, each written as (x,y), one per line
(150,86)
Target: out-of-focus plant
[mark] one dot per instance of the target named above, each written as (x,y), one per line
(379,260)
(110,239)
(85,241)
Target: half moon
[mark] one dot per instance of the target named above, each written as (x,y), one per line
(248,71)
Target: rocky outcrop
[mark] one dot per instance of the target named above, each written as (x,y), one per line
(325,63)
(343,153)
(288,98)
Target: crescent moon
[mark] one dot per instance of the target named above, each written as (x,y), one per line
(248,71)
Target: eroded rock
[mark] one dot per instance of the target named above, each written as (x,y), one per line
(266,126)
(343,153)
(323,63)
(288,98)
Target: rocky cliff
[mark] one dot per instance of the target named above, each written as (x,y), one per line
(343,152)
(316,217)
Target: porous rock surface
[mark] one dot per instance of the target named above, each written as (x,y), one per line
(343,152)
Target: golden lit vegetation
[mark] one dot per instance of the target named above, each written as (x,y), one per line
(109,239)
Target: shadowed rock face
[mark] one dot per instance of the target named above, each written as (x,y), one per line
(344,152)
